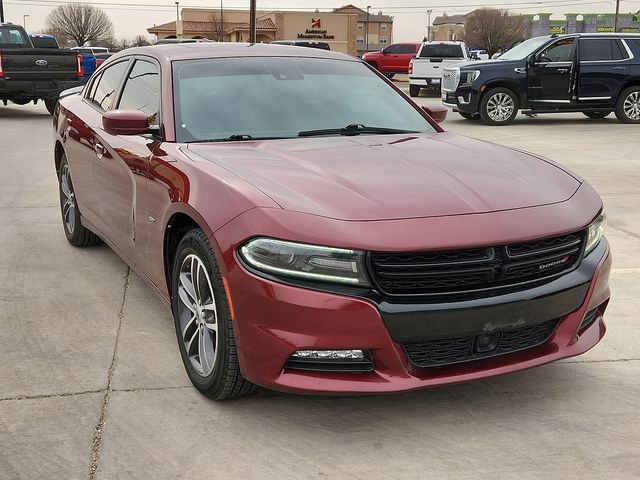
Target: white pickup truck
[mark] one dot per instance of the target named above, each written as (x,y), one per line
(425,70)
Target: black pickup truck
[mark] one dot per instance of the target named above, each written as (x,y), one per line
(595,74)
(31,74)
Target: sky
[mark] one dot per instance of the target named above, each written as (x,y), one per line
(133,17)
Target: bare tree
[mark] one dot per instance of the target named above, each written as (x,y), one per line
(80,22)
(492,29)
(217,26)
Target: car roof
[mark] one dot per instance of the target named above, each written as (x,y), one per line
(190,51)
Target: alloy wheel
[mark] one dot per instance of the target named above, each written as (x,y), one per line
(67,199)
(500,107)
(631,105)
(198,315)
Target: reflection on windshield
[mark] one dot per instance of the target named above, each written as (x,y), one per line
(271,97)
(524,49)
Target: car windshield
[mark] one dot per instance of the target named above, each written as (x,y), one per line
(524,49)
(442,50)
(275,97)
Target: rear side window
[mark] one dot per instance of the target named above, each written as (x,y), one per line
(142,90)
(592,49)
(442,51)
(619,51)
(408,49)
(107,85)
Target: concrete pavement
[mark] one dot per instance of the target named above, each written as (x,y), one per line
(91,382)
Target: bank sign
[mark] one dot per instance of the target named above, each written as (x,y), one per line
(315,32)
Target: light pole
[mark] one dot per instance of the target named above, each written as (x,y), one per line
(24,20)
(429,24)
(252,21)
(367,30)
(177,16)
(615,21)
(1,12)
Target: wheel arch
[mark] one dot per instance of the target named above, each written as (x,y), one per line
(58,152)
(632,82)
(180,221)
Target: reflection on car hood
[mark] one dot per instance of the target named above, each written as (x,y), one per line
(486,63)
(383,177)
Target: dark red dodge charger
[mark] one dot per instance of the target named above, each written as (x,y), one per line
(315,231)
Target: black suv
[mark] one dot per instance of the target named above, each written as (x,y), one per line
(595,74)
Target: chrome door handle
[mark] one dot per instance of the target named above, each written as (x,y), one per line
(563,70)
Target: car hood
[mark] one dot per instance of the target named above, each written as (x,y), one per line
(488,63)
(392,176)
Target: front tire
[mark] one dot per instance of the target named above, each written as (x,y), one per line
(628,105)
(414,90)
(77,235)
(51,105)
(389,75)
(203,321)
(499,106)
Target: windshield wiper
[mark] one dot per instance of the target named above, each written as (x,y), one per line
(353,129)
(237,136)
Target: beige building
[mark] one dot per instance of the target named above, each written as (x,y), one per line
(447,27)
(345,29)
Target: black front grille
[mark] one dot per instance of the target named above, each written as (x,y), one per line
(464,349)
(475,269)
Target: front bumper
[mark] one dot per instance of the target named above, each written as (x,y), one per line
(273,320)
(425,81)
(464,99)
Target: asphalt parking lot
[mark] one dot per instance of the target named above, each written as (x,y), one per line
(91,380)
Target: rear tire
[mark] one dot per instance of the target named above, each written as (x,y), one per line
(414,90)
(389,75)
(596,115)
(628,105)
(51,105)
(499,106)
(77,235)
(202,315)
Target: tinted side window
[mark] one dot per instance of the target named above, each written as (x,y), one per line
(442,50)
(592,49)
(619,52)
(92,88)
(561,51)
(108,85)
(408,49)
(393,50)
(142,90)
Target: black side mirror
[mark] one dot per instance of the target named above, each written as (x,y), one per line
(531,61)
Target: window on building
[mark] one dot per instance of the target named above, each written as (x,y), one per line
(360,39)
(360,26)
(383,27)
(384,39)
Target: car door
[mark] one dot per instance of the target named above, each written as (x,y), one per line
(393,58)
(122,161)
(550,73)
(604,64)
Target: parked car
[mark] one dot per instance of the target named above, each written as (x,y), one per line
(478,54)
(101,58)
(170,41)
(29,74)
(316,231)
(426,69)
(90,50)
(41,40)
(393,59)
(303,43)
(591,73)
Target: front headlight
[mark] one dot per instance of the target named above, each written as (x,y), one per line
(467,77)
(306,262)
(595,232)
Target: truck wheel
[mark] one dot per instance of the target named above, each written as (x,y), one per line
(51,105)
(389,75)
(21,101)
(499,106)
(628,105)
(596,115)
(414,90)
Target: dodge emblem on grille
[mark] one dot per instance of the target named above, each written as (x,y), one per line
(562,261)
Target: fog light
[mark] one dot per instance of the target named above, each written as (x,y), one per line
(487,343)
(326,354)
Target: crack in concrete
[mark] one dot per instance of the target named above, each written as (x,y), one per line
(624,230)
(50,395)
(97,436)
(612,360)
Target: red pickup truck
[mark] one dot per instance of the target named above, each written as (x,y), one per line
(393,59)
